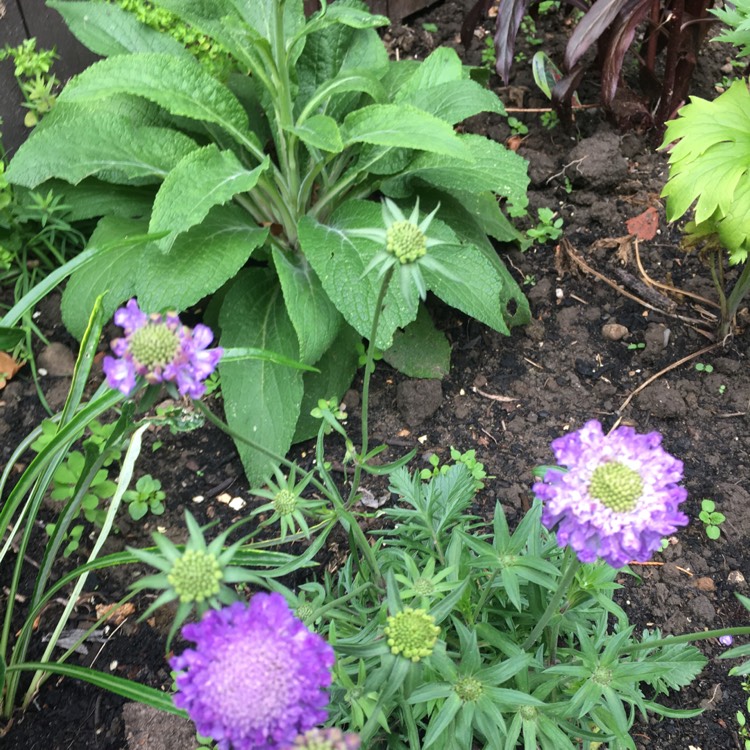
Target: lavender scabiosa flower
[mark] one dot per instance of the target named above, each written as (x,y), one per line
(159,348)
(726,640)
(618,497)
(257,676)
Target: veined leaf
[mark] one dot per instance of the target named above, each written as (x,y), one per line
(205,178)
(260,15)
(403,126)
(420,350)
(321,132)
(92,198)
(440,67)
(454,101)
(314,317)
(179,85)
(107,29)
(261,399)
(113,149)
(200,260)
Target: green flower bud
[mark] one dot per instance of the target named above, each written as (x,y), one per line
(195,576)
(412,633)
(406,241)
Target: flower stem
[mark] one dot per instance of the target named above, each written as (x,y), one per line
(673,640)
(369,369)
(562,588)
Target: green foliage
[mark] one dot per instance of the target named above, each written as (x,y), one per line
(735,16)
(549,227)
(703,367)
(68,477)
(712,518)
(468,459)
(146,497)
(275,166)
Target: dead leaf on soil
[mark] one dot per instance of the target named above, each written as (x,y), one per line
(644,225)
(623,244)
(8,368)
(115,614)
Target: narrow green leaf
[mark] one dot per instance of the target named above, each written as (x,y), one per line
(203,179)
(10,337)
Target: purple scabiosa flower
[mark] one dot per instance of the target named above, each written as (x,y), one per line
(159,348)
(618,497)
(726,640)
(326,739)
(257,676)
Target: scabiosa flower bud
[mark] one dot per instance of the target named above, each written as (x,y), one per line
(412,633)
(257,676)
(159,348)
(406,241)
(326,739)
(726,640)
(195,576)
(618,498)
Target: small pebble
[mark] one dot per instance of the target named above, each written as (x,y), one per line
(736,578)
(614,331)
(705,584)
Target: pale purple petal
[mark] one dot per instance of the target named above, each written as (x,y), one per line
(120,374)
(130,317)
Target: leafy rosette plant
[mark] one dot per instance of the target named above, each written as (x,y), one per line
(254,191)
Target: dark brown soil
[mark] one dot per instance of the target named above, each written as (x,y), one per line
(507,398)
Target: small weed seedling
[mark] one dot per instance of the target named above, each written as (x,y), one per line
(743,731)
(468,459)
(550,120)
(701,367)
(711,518)
(722,389)
(147,496)
(549,227)
(489,58)
(639,345)
(517,127)
(529,280)
(431,27)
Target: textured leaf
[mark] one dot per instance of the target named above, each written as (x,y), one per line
(339,262)
(114,273)
(403,126)
(113,149)
(261,399)
(454,101)
(314,317)
(492,167)
(180,85)
(322,132)
(91,198)
(420,350)
(338,367)
(260,15)
(107,29)
(440,67)
(205,178)
(200,260)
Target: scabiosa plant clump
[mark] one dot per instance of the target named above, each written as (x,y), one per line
(160,349)
(257,677)
(618,498)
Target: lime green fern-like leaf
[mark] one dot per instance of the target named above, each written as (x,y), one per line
(710,167)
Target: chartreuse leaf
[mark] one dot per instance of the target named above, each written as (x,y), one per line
(340,261)
(261,399)
(107,29)
(114,273)
(403,126)
(205,178)
(337,368)
(200,260)
(180,85)
(710,165)
(322,132)
(98,143)
(314,317)
(420,350)
(442,66)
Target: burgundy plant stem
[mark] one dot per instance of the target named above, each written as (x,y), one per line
(670,65)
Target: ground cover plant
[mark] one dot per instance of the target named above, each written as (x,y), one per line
(254,190)
(431,677)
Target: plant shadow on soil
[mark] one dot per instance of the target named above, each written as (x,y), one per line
(505,397)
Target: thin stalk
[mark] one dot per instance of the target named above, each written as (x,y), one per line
(673,640)
(718,279)
(369,369)
(739,290)
(562,589)
(483,598)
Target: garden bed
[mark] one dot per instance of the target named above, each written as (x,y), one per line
(593,350)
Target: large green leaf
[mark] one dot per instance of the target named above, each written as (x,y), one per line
(205,178)
(113,148)
(114,273)
(180,85)
(442,66)
(91,198)
(261,399)
(340,260)
(492,167)
(260,15)
(454,101)
(403,126)
(107,29)
(200,260)
(314,317)
(337,368)
(420,350)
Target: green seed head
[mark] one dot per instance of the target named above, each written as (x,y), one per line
(406,241)
(602,676)
(195,576)
(616,486)
(424,587)
(412,633)
(285,502)
(154,345)
(528,713)
(468,689)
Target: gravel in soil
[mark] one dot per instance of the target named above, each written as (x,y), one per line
(589,351)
